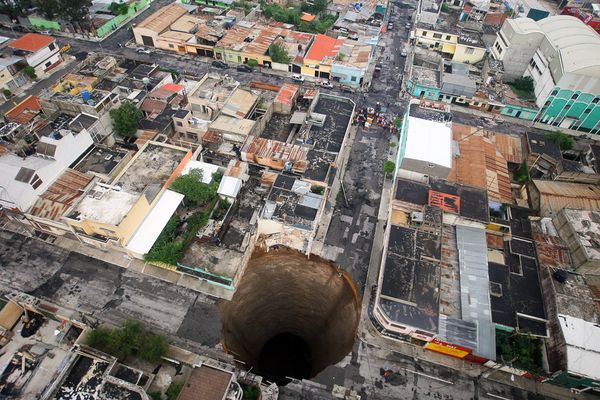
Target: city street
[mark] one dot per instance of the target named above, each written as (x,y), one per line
(111,294)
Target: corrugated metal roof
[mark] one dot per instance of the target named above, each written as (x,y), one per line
(161,19)
(474,287)
(558,195)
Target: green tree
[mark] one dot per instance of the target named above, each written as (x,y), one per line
(252,63)
(279,53)
(389,167)
(6,92)
(153,347)
(522,173)
(74,11)
(126,119)
(562,140)
(118,8)
(125,341)
(30,72)
(191,186)
(48,8)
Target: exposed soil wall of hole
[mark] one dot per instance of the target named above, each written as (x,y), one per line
(287,301)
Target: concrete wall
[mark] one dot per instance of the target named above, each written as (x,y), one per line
(516,50)
(468,54)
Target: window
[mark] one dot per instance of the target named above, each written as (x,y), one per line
(424,33)
(470,50)
(353,79)
(501,37)
(568,107)
(49,63)
(192,136)
(575,96)
(171,46)
(595,101)
(498,48)
(179,123)
(587,111)
(546,104)
(52,46)
(437,35)
(554,92)
(448,37)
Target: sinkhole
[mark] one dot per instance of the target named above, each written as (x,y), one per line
(291,316)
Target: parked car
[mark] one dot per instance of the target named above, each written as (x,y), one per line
(326,84)
(390,27)
(407,26)
(219,64)
(298,78)
(45,33)
(403,53)
(347,89)
(142,50)
(243,68)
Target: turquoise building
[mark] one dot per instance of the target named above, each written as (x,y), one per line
(570,109)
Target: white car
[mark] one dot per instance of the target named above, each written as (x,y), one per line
(142,50)
(326,84)
(298,78)
(403,53)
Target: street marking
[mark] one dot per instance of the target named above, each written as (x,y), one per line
(496,396)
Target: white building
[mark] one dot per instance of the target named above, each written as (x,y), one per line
(23,180)
(582,340)
(425,144)
(39,51)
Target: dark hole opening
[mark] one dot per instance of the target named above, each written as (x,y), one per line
(285,356)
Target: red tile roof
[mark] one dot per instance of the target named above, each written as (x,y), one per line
(31,42)
(25,111)
(324,46)
(172,87)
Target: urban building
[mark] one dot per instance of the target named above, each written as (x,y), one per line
(564,68)
(443,32)
(425,144)
(40,52)
(321,55)
(11,73)
(579,229)
(549,197)
(109,215)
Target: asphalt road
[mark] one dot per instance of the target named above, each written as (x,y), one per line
(111,294)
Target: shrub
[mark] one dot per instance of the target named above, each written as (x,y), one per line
(173,391)
(522,173)
(130,340)
(562,140)
(524,84)
(389,167)
(7,93)
(252,63)
(317,189)
(30,72)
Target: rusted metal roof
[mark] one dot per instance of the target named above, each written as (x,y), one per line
(557,195)
(480,164)
(287,94)
(161,19)
(57,199)
(274,154)
(255,40)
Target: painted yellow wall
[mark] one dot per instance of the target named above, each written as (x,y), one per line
(134,218)
(475,55)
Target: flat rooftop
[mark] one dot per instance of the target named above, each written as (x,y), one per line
(327,139)
(516,296)
(100,160)
(145,175)
(409,292)
(291,201)
(586,225)
(466,201)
